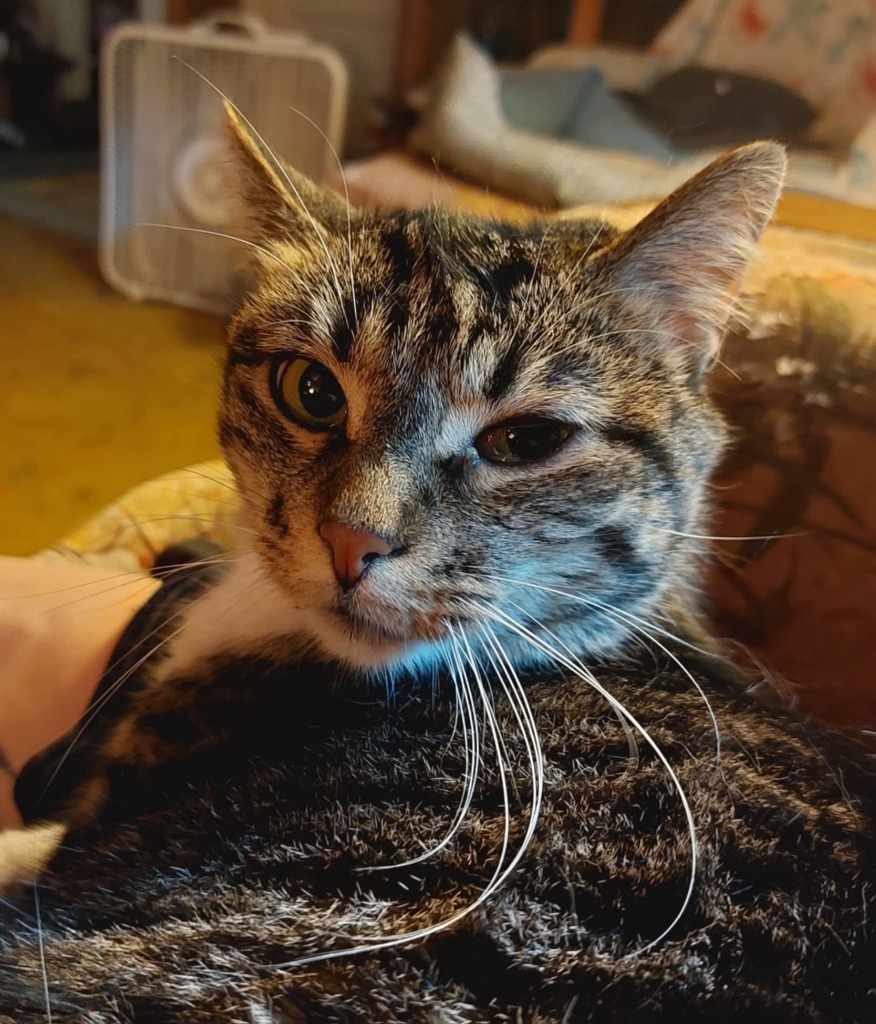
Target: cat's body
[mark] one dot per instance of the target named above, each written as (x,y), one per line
(473,460)
(182,913)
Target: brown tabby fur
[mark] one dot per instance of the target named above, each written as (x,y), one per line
(218,813)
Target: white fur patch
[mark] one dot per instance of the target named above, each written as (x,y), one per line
(25,852)
(243,609)
(247,608)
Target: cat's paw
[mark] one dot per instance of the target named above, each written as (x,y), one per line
(25,852)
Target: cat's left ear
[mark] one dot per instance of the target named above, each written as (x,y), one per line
(680,269)
(279,203)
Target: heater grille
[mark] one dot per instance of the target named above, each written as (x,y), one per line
(163,154)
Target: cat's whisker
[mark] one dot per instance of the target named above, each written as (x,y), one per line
(596,603)
(522,711)
(500,872)
(587,676)
(471,771)
(136,575)
(632,743)
(42,951)
(471,741)
(340,167)
(133,576)
(529,732)
(200,472)
(709,536)
(636,624)
(225,504)
(643,627)
(219,234)
(488,697)
(91,711)
(94,708)
(228,522)
(136,578)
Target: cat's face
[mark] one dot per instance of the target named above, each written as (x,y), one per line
(439,424)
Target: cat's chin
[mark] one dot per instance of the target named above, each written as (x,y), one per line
(361,645)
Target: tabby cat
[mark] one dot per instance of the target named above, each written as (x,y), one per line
(444,741)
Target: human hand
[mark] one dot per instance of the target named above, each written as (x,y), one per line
(59,623)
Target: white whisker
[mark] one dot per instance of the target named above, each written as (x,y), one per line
(500,872)
(340,166)
(199,472)
(639,625)
(632,744)
(596,603)
(587,676)
(219,234)
(42,951)
(709,536)
(94,708)
(133,576)
(471,771)
(629,620)
(522,711)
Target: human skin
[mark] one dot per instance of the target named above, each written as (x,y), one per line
(59,623)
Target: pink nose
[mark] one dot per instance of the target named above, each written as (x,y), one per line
(352,550)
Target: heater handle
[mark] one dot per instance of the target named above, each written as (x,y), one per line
(245,23)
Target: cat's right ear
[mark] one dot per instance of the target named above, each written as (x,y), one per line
(279,203)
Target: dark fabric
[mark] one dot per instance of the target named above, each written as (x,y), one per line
(698,107)
(190,903)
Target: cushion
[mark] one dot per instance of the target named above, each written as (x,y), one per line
(698,106)
(542,100)
(602,120)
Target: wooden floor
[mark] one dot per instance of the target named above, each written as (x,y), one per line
(98,392)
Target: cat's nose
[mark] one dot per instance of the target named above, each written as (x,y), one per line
(352,550)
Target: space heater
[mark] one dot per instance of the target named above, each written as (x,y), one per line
(166,204)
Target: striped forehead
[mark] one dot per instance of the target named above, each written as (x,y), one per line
(484,313)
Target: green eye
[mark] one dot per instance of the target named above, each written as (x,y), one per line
(522,441)
(309,394)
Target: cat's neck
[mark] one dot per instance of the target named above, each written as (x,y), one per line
(246,613)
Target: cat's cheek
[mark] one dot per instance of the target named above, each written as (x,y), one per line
(304,568)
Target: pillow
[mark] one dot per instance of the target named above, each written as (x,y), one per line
(696,107)
(603,121)
(542,100)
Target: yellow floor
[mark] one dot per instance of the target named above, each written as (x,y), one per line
(97,393)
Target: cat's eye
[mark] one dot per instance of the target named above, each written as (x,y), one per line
(309,394)
(522,440)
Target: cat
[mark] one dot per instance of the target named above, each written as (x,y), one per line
(445,740)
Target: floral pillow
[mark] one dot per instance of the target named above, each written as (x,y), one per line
(825,50)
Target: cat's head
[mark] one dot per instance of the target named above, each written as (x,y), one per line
(443,426)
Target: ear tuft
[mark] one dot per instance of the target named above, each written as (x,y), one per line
(682,266)
(279,203)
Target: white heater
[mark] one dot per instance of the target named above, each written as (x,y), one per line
(164,160)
